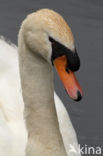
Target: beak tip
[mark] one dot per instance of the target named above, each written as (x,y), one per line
(79,96)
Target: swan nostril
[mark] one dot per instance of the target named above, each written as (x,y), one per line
(79,96)
(67,69)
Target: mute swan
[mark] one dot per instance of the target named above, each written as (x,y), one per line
(44,39)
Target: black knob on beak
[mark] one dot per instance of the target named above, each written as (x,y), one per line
(73,61)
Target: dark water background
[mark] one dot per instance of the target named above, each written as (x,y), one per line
(86,20)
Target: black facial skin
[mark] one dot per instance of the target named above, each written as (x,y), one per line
(73,61)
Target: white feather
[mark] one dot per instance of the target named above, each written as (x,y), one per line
(13,134)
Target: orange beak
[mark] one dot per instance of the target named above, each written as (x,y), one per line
(68,79)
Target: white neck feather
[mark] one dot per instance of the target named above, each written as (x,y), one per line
(44,137)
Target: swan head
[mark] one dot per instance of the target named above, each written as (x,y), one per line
(46,33)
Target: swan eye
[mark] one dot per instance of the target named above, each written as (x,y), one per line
(57,49)
(73,61)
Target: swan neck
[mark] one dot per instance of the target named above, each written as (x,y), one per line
(39,110)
